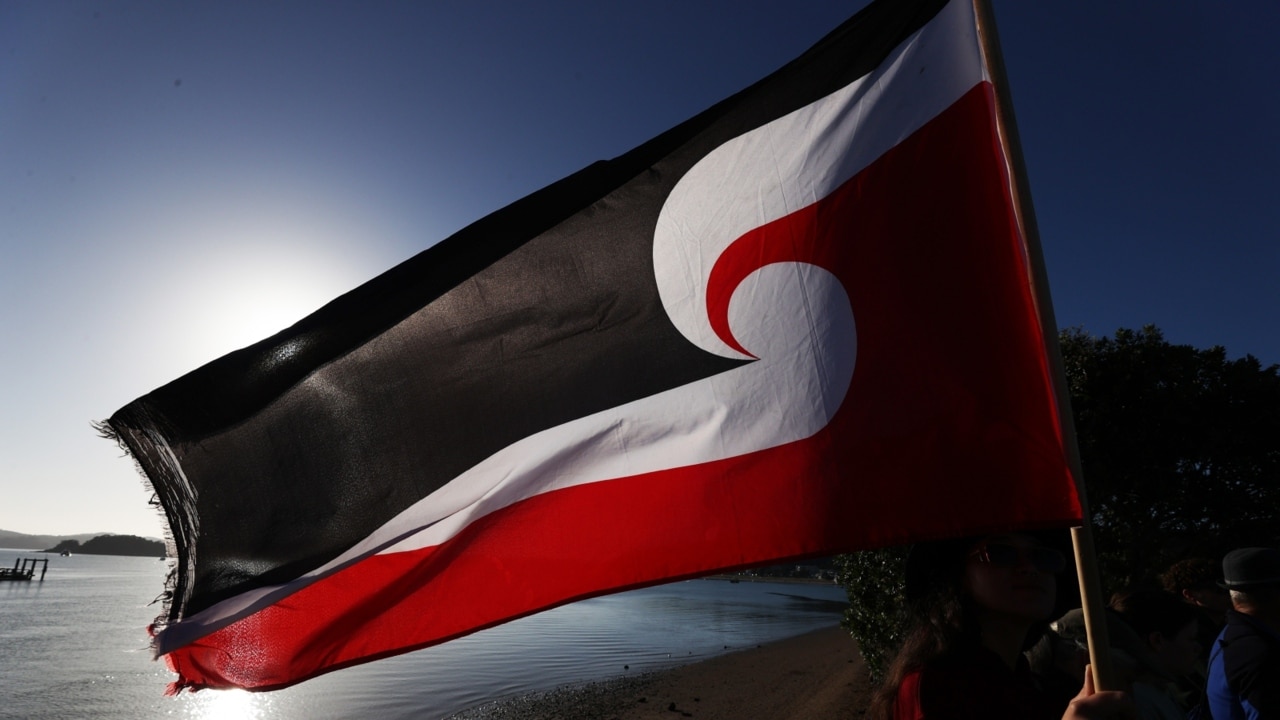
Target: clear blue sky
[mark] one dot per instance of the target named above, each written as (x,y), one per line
(178,180)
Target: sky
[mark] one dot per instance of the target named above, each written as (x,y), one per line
(178,180)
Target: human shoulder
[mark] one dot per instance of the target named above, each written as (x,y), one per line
(1245,642)
(1246,666)
(975,684)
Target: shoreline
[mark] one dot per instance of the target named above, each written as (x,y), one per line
(771,579)
(807,677)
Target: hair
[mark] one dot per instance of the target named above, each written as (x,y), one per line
(1191,574)
(1256,597)
(938,616)
(941,618)
(1151,610)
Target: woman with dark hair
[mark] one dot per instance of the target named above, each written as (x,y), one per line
(976,604)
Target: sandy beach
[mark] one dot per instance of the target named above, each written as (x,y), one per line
(811,677)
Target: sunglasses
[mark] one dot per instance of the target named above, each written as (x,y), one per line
(1003,555)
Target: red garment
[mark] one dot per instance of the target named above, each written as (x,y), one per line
(973,685)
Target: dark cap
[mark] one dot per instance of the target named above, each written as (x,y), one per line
(1120,635)
(1251,568)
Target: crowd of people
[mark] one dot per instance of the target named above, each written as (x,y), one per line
(986,639)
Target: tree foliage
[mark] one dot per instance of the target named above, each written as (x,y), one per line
(1180,449)
(874,583)
(1181,455)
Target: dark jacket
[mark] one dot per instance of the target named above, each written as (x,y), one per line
(1244,671)
(974,684)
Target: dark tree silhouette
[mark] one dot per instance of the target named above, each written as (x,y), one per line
(1180,449)
(112,545)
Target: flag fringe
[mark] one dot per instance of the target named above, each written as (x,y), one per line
(178,547)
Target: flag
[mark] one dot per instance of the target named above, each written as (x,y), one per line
(796,324)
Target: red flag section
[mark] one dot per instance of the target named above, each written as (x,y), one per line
(851,265)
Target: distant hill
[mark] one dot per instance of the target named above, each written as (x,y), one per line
(112,545)
(22,541)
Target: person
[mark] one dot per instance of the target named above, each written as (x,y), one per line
(1073,655)
(976,604)
(1059,657)
(1244,665)
(1195,580)
(1163,643)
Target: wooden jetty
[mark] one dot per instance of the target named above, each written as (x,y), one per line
(25,571)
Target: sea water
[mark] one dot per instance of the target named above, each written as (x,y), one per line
(75,646)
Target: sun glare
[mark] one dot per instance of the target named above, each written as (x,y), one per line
(229,705)
(239,293)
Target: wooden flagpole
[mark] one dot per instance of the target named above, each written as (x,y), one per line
(1081,537)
